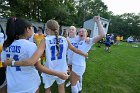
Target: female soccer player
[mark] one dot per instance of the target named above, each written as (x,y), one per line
(56,48)
(78,62)
(22,79)
(73,40)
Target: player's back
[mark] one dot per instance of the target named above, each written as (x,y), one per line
(55,60)
(21,50)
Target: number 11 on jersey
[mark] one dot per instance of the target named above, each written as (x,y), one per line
(53,52)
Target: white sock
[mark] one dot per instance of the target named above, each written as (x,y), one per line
(74,89)
(68,84)
(78,86)
(80,83)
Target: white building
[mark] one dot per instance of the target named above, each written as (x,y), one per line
(35,24)
(91,25)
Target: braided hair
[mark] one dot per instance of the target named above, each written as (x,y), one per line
(54,26)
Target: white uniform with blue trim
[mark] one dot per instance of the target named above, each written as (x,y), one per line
(54,62)
(78,61)
(21,79)
(74,42)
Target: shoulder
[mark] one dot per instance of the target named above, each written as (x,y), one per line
(64,38)
(91,41)
(25,45)
(47,37)
(28,43)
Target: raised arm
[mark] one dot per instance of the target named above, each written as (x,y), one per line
(71,47)
(101,33)
(31,61)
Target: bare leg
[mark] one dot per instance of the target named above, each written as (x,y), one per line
(61,88)
(69,72)
(48,90)
(74,78)
(3,90)
(37,91)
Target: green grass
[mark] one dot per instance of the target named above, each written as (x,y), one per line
(115,72)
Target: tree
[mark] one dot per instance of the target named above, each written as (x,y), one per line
(71,12)
(126,24)
(86,9)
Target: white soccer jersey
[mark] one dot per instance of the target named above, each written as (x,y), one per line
(84,47)
(57,63)
(31,39)
(1,38)
(74,42)
(21,79)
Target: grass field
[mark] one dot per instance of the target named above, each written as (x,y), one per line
(115,72)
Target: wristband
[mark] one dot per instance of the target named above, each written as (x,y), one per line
(13,62)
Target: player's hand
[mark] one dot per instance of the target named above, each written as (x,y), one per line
(87,40)
(86,55)
(96,18)
(63,75)
(7,62)
(69,69)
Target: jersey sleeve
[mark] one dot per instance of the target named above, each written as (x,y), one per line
(91,41)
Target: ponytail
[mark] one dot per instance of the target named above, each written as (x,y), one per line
(54,26)
(15,28)
(10,32)
(57,42)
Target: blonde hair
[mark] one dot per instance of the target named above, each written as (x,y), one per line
(73,27)
(54,26)
(83,29)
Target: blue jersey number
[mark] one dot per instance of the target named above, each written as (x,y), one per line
(53,50)
(75,45)
(15,57)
